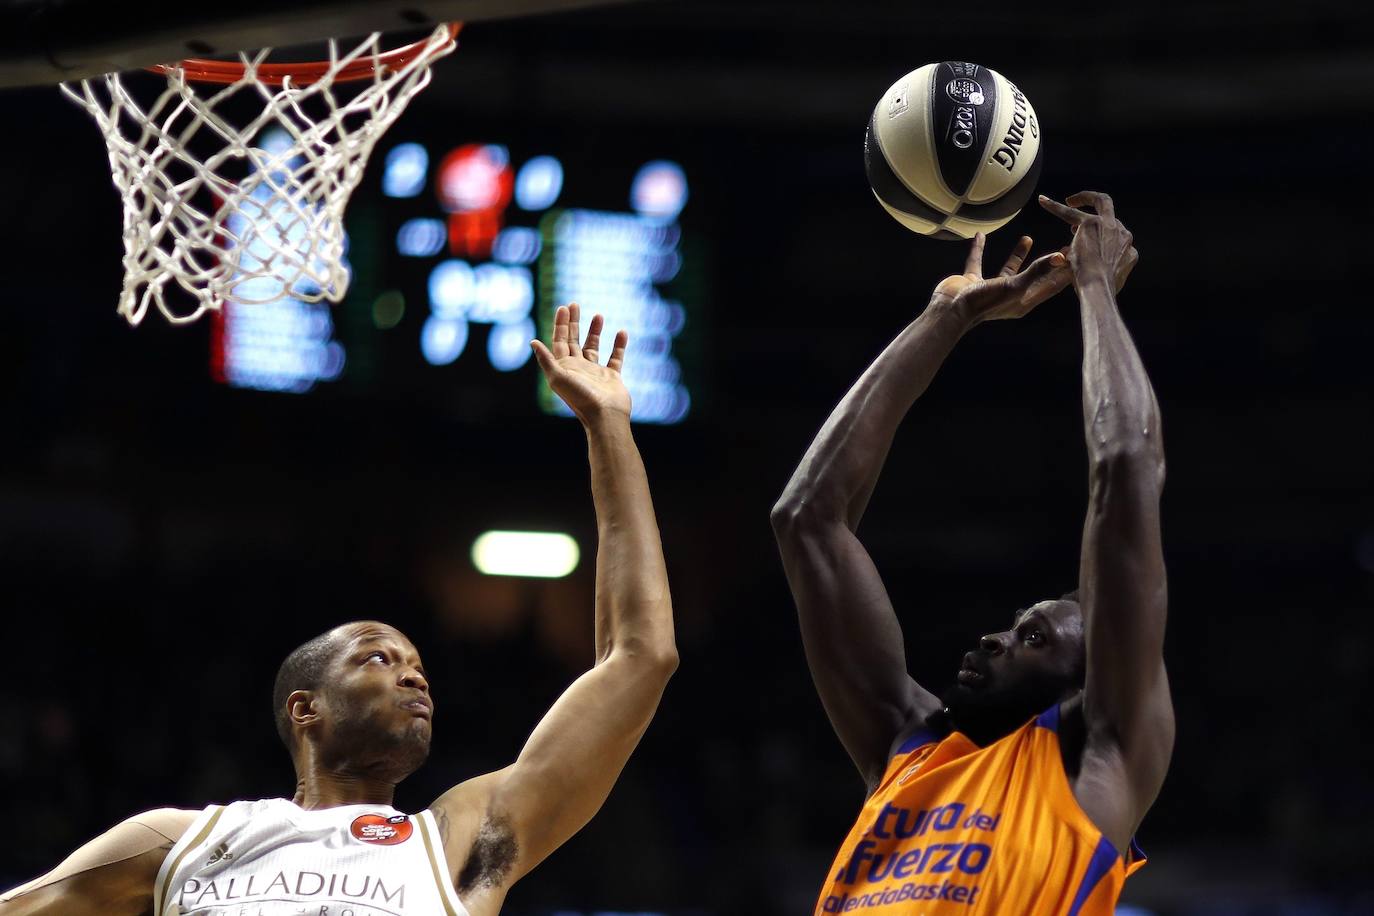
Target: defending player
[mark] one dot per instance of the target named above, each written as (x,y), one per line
(1020,789)
(353,707)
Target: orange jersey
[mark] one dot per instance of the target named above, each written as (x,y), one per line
(958,829)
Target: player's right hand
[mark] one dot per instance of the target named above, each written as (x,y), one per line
(1102,246)
(574,369)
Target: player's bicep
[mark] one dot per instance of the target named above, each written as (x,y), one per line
(853,641)
(502,825)
(574,756)
(576,753)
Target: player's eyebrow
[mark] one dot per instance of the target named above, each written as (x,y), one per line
(370,634)
(387,641)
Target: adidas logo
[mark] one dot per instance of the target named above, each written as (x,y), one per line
(221,854)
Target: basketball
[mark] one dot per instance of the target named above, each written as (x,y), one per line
(953,149)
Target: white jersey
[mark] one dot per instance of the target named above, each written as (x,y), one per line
(273,858)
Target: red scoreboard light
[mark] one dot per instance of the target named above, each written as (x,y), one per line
(474,184)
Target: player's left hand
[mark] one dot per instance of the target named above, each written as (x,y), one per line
(575,372)
(1010,294)
(1101,244)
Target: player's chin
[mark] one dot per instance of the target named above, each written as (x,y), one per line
(959,696)
(978,695)
(412,748)
(414,732)
(419,730)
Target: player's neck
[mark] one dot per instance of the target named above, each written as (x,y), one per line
(985,729)
(323,789)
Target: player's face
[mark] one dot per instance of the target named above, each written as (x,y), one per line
(380,712)
(1020,672)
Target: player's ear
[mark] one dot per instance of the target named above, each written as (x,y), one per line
(303,707)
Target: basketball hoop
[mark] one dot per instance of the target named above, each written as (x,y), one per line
(195,220)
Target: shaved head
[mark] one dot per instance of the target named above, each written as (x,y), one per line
(303,669)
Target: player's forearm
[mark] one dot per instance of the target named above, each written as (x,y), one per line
(39,903)
(1120,413)
(61,900)
(633,605)
(111,875)
(839,471)
(119,889)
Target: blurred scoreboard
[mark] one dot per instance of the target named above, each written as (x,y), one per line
(459,255)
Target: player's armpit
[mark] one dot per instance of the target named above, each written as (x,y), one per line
(461,814)
(497,827)
(575,755)
(112,875)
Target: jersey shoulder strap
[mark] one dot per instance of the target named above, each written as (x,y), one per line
(195,836)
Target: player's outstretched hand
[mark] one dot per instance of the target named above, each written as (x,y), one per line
(1010,294)
(1101,244)
(574,369)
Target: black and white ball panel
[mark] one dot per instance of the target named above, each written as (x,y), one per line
(953,149)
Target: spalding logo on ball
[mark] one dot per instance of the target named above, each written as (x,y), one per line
(953,149)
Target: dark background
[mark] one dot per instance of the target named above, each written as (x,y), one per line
(164,541)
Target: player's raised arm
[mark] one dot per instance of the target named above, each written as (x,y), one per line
(112,875)
(851,634)
(576,753)
(1122,590)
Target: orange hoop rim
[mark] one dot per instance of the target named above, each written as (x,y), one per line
(363,67)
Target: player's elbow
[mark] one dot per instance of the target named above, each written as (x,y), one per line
(660,657)
(794,514)
(665,662)
(1135,460)
(656,665)
(655,657)
(785,516)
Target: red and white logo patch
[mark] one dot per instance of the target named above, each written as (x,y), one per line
(380,830)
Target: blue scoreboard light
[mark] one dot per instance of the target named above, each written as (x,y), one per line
(268,341)
(461,254)
(619,263)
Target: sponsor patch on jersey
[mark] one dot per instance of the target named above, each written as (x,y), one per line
(380,830)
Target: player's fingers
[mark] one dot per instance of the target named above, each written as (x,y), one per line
(1043,266)
(1067,214)
(1044,278)
(1128,264)
(574,338)
(622,340)
(560,332)
(1017,256)
(1100,202)
(544,356)
(974,263)
(593,342)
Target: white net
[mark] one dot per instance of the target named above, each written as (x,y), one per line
(261,217)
